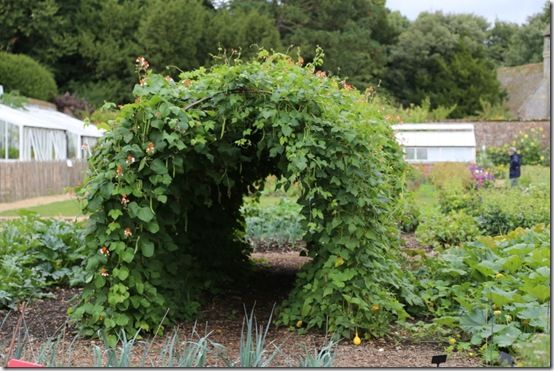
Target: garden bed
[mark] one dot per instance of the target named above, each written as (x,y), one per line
(223,316)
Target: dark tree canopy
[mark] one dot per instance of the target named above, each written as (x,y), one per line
(340,28)
(443,57)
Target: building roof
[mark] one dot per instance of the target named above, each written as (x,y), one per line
(38,117)
(70,123)
(435,135)
(520,83)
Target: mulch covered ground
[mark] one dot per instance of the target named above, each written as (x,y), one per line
(223,317)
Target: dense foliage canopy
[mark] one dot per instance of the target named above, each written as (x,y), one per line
(90,45)
(443,57)
(167,182)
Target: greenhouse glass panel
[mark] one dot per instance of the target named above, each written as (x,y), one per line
(3,126)
(72,149)
(13,141)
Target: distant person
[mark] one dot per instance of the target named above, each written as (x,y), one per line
(515,166)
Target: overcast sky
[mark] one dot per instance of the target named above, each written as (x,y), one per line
(505,10)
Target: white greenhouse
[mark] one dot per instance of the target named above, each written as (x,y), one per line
(437,142)
(36,133)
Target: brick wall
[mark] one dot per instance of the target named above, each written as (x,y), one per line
(497,133)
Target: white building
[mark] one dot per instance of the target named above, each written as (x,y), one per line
(36,133)
(437,142)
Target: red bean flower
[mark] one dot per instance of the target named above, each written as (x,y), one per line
(142,64)
(150,148)
(124,200)
(104,251)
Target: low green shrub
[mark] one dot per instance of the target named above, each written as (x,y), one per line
(13,99)
(503,210)
(495,290)
(394,113)
(450,174)
(534,175)
(36,254)
(408,213)
(494,112)
(414,177)
(279,224)
(22,73)
(446,230)
(456,198)
(529,145)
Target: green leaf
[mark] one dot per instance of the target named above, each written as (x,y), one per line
(121,319)
(109,323)
(507,336)
(153,226)
(147,248)
(123,273)
(145,214)
(115,213)
(536,315)
(99,282)
(540,292)
(158,166)
(127,256)
(499,296)
(475,322)
(512,263)
(133,209)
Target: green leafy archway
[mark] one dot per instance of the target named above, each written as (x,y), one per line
(166,184)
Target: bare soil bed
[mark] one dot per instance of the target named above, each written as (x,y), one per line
(223,317)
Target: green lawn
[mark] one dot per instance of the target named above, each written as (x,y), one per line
(426,197)
(62,208)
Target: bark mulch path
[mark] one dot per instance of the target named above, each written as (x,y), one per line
(223,317)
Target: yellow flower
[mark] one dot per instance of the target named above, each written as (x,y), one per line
(357,340)
(299,324)
(452,341)
(497,312)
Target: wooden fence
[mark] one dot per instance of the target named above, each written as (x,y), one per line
(25,179)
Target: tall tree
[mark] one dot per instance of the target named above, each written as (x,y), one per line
(40,29)
(108,47)
(353,34)
(245,28)
(498,41)
(441,57)
(171,33)
(526,45)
